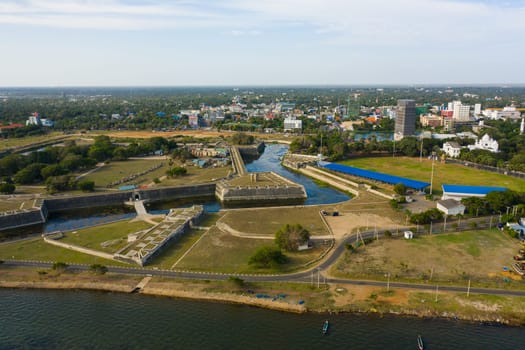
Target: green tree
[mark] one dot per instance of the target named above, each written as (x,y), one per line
(400,189)
(176,171)
(290,237)
(267,256)
(29,174)
(6,188)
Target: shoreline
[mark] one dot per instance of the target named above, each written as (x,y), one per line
(189,290)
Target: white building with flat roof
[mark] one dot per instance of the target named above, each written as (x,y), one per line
(291,124)
(509,112)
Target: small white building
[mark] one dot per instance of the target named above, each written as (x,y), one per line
(485,143)
(450,207)
(408,234)
(452,149)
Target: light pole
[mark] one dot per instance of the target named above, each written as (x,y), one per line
(432,173)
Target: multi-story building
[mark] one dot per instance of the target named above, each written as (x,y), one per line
(405,119)
(431,120)
(461,111)
(291,124)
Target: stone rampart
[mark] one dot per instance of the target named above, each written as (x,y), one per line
(9,220)
(228,193)
(19,218)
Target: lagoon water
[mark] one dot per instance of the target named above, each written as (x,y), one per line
(47,319)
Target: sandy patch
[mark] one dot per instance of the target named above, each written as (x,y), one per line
(346,223)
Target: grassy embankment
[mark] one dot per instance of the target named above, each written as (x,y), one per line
(18,142)
(115,171)
(443,173)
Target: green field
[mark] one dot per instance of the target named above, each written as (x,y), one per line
(114,235)
(447,258)
(443,173)
(118,170)
(197,175)
(221,252)
(267,221)
(16,142)
(37,249)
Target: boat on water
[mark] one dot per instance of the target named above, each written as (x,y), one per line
(325,327)
(420,344)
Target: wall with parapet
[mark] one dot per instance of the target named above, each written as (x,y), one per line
(53,205)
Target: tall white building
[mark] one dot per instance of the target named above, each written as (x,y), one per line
(461,111)
(477,109)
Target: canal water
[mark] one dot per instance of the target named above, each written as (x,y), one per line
(46,319)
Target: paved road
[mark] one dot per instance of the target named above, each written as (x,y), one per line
(304,276)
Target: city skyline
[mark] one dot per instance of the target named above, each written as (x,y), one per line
(247,43)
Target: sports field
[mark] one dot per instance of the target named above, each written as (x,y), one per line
(415,169)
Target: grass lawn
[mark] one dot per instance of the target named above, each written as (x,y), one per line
(114,235)
(267,221)
(118,170)
(25,141)
(221,252)
(6,204)
(443,173)
(197,175)
(171,253)
(449,258)
(37,249)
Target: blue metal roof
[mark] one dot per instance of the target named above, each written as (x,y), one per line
(373,175)
(482,190)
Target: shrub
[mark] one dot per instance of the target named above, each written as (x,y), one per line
(268,256)
(98,269)
(86,186)
(59,266)
(7,188)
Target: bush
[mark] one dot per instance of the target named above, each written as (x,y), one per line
(98,269)
(268,256)
(400,189)
(156,180)
(59,266)
(176,171)
(239,282)
(388,234)
(86,186)
(6,188)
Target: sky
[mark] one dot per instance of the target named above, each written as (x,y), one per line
(261,42)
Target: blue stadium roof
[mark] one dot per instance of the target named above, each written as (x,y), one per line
(482,190)
(390,179)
